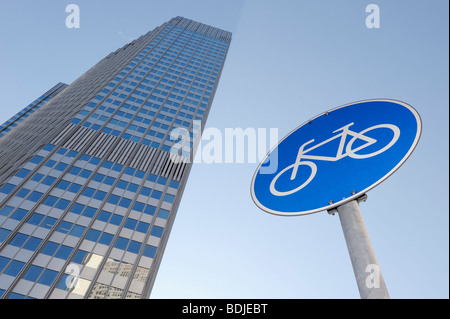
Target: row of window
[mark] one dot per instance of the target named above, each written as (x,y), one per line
(62,203)
(30,109)
(29,242)
(7,188)
(46,276)
(135,131)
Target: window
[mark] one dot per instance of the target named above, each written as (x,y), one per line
(140,174)
(48,147)
(64,227)
(169,198)
(33,273)
(116,219)
(36,159)
(156,194)
(35,196)
(50,248)
(50,163)
(134,247)
(23,173)
(109,180)
(106,238)
(89,211)
(95,160)
(130,171)
(88,192)
(63,185)
(63,252)
(104,216)
(77,208)
(107,164)
(149,251)
(48,277)
(3,262)
(138,206)
(113,199)
(32,243)
(130,223)
(37,177)
(6,210)
(48,222)
(93,235)
(7,188)
(157,231)
(23,193)
(35,219)
(72,154)
(133,187)
(162,180)
(62,204)
(19,240)
(142,227)
(14,268)
(74,188)
(50,200)
(164,214)
(80,256)
(98,177)
(85,158)
(145,191)
(77,231)
(61,166)
(121,243)
(125,202)
(62,284)
(74,170)
(122,184)
(117,167)
(100,195)
(85,173)
(174,184)
(149,209)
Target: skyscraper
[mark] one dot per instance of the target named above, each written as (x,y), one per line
(90,182)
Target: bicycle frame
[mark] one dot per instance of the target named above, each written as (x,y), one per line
(345,131)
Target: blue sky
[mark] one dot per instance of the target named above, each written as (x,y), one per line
(288,62)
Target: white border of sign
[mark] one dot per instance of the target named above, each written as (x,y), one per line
(358,194)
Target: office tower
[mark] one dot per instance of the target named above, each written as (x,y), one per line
(91,181)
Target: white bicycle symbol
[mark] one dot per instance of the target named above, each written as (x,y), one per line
(349,151)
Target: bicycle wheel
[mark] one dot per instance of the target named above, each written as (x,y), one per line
(351,152)
(275,192)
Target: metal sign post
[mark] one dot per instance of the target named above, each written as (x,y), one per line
(368,275)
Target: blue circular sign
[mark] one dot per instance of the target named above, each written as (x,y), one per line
(336,157)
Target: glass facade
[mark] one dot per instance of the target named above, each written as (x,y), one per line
(30,109)
(86,212)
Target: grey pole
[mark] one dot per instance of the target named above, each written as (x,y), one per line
(365,266)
